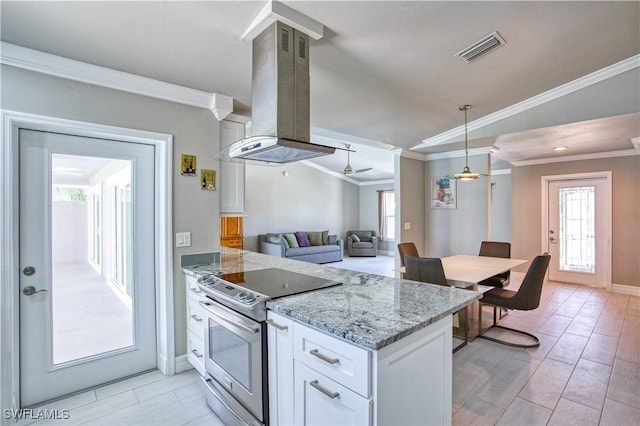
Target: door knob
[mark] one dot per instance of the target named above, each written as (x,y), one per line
(31,290)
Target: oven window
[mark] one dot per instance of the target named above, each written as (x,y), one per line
(231,352)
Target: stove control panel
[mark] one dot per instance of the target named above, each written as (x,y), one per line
(217,287)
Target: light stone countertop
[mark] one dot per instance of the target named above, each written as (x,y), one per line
(369,310)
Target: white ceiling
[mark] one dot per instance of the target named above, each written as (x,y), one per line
(384,75)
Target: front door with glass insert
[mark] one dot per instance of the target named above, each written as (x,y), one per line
(578,231)
(87,284)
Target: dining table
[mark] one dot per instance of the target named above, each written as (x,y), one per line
(466,271)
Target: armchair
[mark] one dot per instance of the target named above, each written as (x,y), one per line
(362,243)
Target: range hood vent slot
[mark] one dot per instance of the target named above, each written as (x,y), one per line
(481,47)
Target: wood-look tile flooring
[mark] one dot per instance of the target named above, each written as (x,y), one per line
(585,372)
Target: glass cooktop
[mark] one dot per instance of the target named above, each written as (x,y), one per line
(274,282)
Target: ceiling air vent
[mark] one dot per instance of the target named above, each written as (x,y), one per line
(479,48)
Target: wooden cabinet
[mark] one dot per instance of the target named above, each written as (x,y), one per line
(195,325)
(337,382)
(231,232)
(231,173)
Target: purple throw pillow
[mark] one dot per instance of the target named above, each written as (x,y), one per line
(303,239)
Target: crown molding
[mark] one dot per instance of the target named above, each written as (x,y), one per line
(457,154)
(413,155)
(542,98)
(275,11)
(578,157)
(344,177)
(34,60)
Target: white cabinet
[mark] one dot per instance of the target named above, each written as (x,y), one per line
(231,174)
(339,383)
(195,324)
(322,401)
(280,356)
(339,360)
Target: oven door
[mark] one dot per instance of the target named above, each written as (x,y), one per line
(233,355)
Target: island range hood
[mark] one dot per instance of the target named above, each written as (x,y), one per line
(279,100)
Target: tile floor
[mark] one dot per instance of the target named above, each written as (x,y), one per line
(585,372)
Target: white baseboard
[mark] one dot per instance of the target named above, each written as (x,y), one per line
(182,364)
(615,288)
(625,289)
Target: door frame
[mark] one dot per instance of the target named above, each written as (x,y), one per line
(11,123)
(544,190)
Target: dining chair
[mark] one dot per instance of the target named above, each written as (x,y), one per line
(407,249)
(496,249)
(430,270)
(527,298)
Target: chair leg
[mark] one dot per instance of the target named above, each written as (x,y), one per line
(535,344)
(462,317)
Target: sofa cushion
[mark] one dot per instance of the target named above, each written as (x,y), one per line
(291,240)
(362,244)
(332,239)
(325,237)
(315,238)
(298,251)
(363,235)
(355,238)
(303,239)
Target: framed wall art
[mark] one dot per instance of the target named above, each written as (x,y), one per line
(188,165)
(207,179)
(443,193)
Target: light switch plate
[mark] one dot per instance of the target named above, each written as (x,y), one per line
(183,239)
(407,226)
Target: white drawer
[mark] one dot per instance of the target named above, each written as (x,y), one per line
(342,362)
(195,317)
(193,291)
(320,400)
(195,351)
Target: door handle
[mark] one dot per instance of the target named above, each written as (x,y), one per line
(31,290)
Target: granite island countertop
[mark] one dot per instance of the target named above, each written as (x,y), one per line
(368,310)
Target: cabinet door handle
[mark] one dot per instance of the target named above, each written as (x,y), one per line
(195,290)
(196,353)
(325,358)
(321,388)
(276,325)
(195,317)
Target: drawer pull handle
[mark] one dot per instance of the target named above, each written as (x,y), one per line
(195,317)
(195,290)
(196,353)
(276,325)
(321,388)
(325,358)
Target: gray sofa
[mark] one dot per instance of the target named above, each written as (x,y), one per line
(327,248)
(362,243)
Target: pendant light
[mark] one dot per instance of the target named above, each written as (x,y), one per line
(466,173)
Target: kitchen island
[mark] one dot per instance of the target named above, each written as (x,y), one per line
(375,350)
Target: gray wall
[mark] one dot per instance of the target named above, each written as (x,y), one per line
(625,246)
(369,212)
(501,208)
(195,131)
(306,200)
(412,202)
(459,230)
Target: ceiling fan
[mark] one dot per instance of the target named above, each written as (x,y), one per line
(348,170)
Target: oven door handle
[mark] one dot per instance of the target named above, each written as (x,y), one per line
(228,319)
